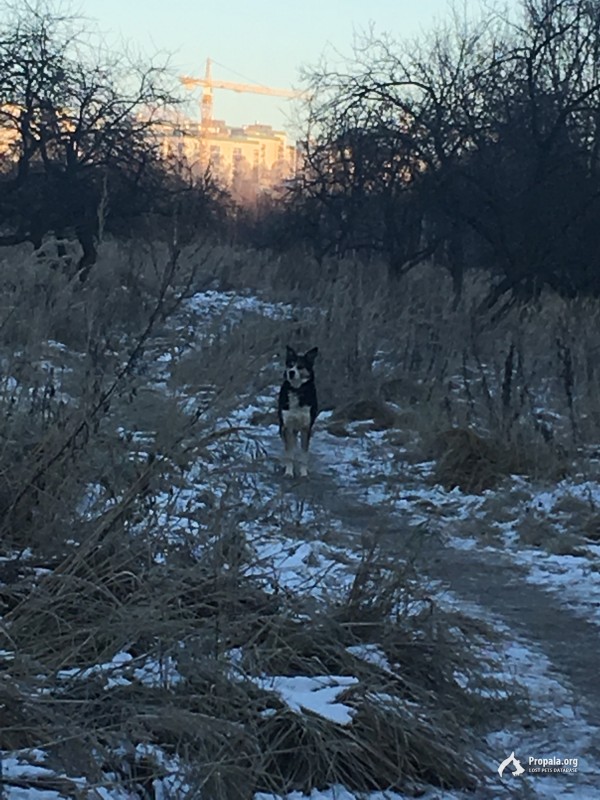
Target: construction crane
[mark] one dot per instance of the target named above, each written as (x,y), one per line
(208,84)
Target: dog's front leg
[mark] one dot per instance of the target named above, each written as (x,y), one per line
(289,442)
(304,441)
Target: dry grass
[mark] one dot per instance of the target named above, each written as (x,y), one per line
(233,738)
(124,511)
(381,415)
(96,403)
(468,461)
(528,378)
(591,527)
(536,532)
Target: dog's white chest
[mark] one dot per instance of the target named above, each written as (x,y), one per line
(298,417)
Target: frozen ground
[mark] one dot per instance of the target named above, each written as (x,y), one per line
(544,607)
(548,645)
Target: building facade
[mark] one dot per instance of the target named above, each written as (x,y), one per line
(249,161)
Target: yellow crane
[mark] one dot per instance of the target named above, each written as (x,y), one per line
(208,84)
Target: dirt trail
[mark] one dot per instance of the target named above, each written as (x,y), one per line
(498,586)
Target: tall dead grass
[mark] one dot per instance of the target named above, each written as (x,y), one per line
(525,381)
(128,586)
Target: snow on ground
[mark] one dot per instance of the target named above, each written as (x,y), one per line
(366,465)
(232,306)
(572,577)
(289,552)
(123,669)
(376,474)
(363,465)
(557,728)
(316,694)
(304,565)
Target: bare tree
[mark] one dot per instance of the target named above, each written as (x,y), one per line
(478,145)
(77,121)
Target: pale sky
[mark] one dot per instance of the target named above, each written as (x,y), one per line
(263,41)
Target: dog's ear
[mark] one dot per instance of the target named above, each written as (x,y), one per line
(311,355)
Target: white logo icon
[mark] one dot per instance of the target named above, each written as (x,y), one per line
(518,768)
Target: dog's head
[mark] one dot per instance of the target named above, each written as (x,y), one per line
(299,368)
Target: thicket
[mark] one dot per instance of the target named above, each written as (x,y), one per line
(477,147)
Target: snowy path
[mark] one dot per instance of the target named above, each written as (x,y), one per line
(544,608)
(546,646)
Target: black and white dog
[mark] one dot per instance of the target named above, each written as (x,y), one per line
(298,407)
